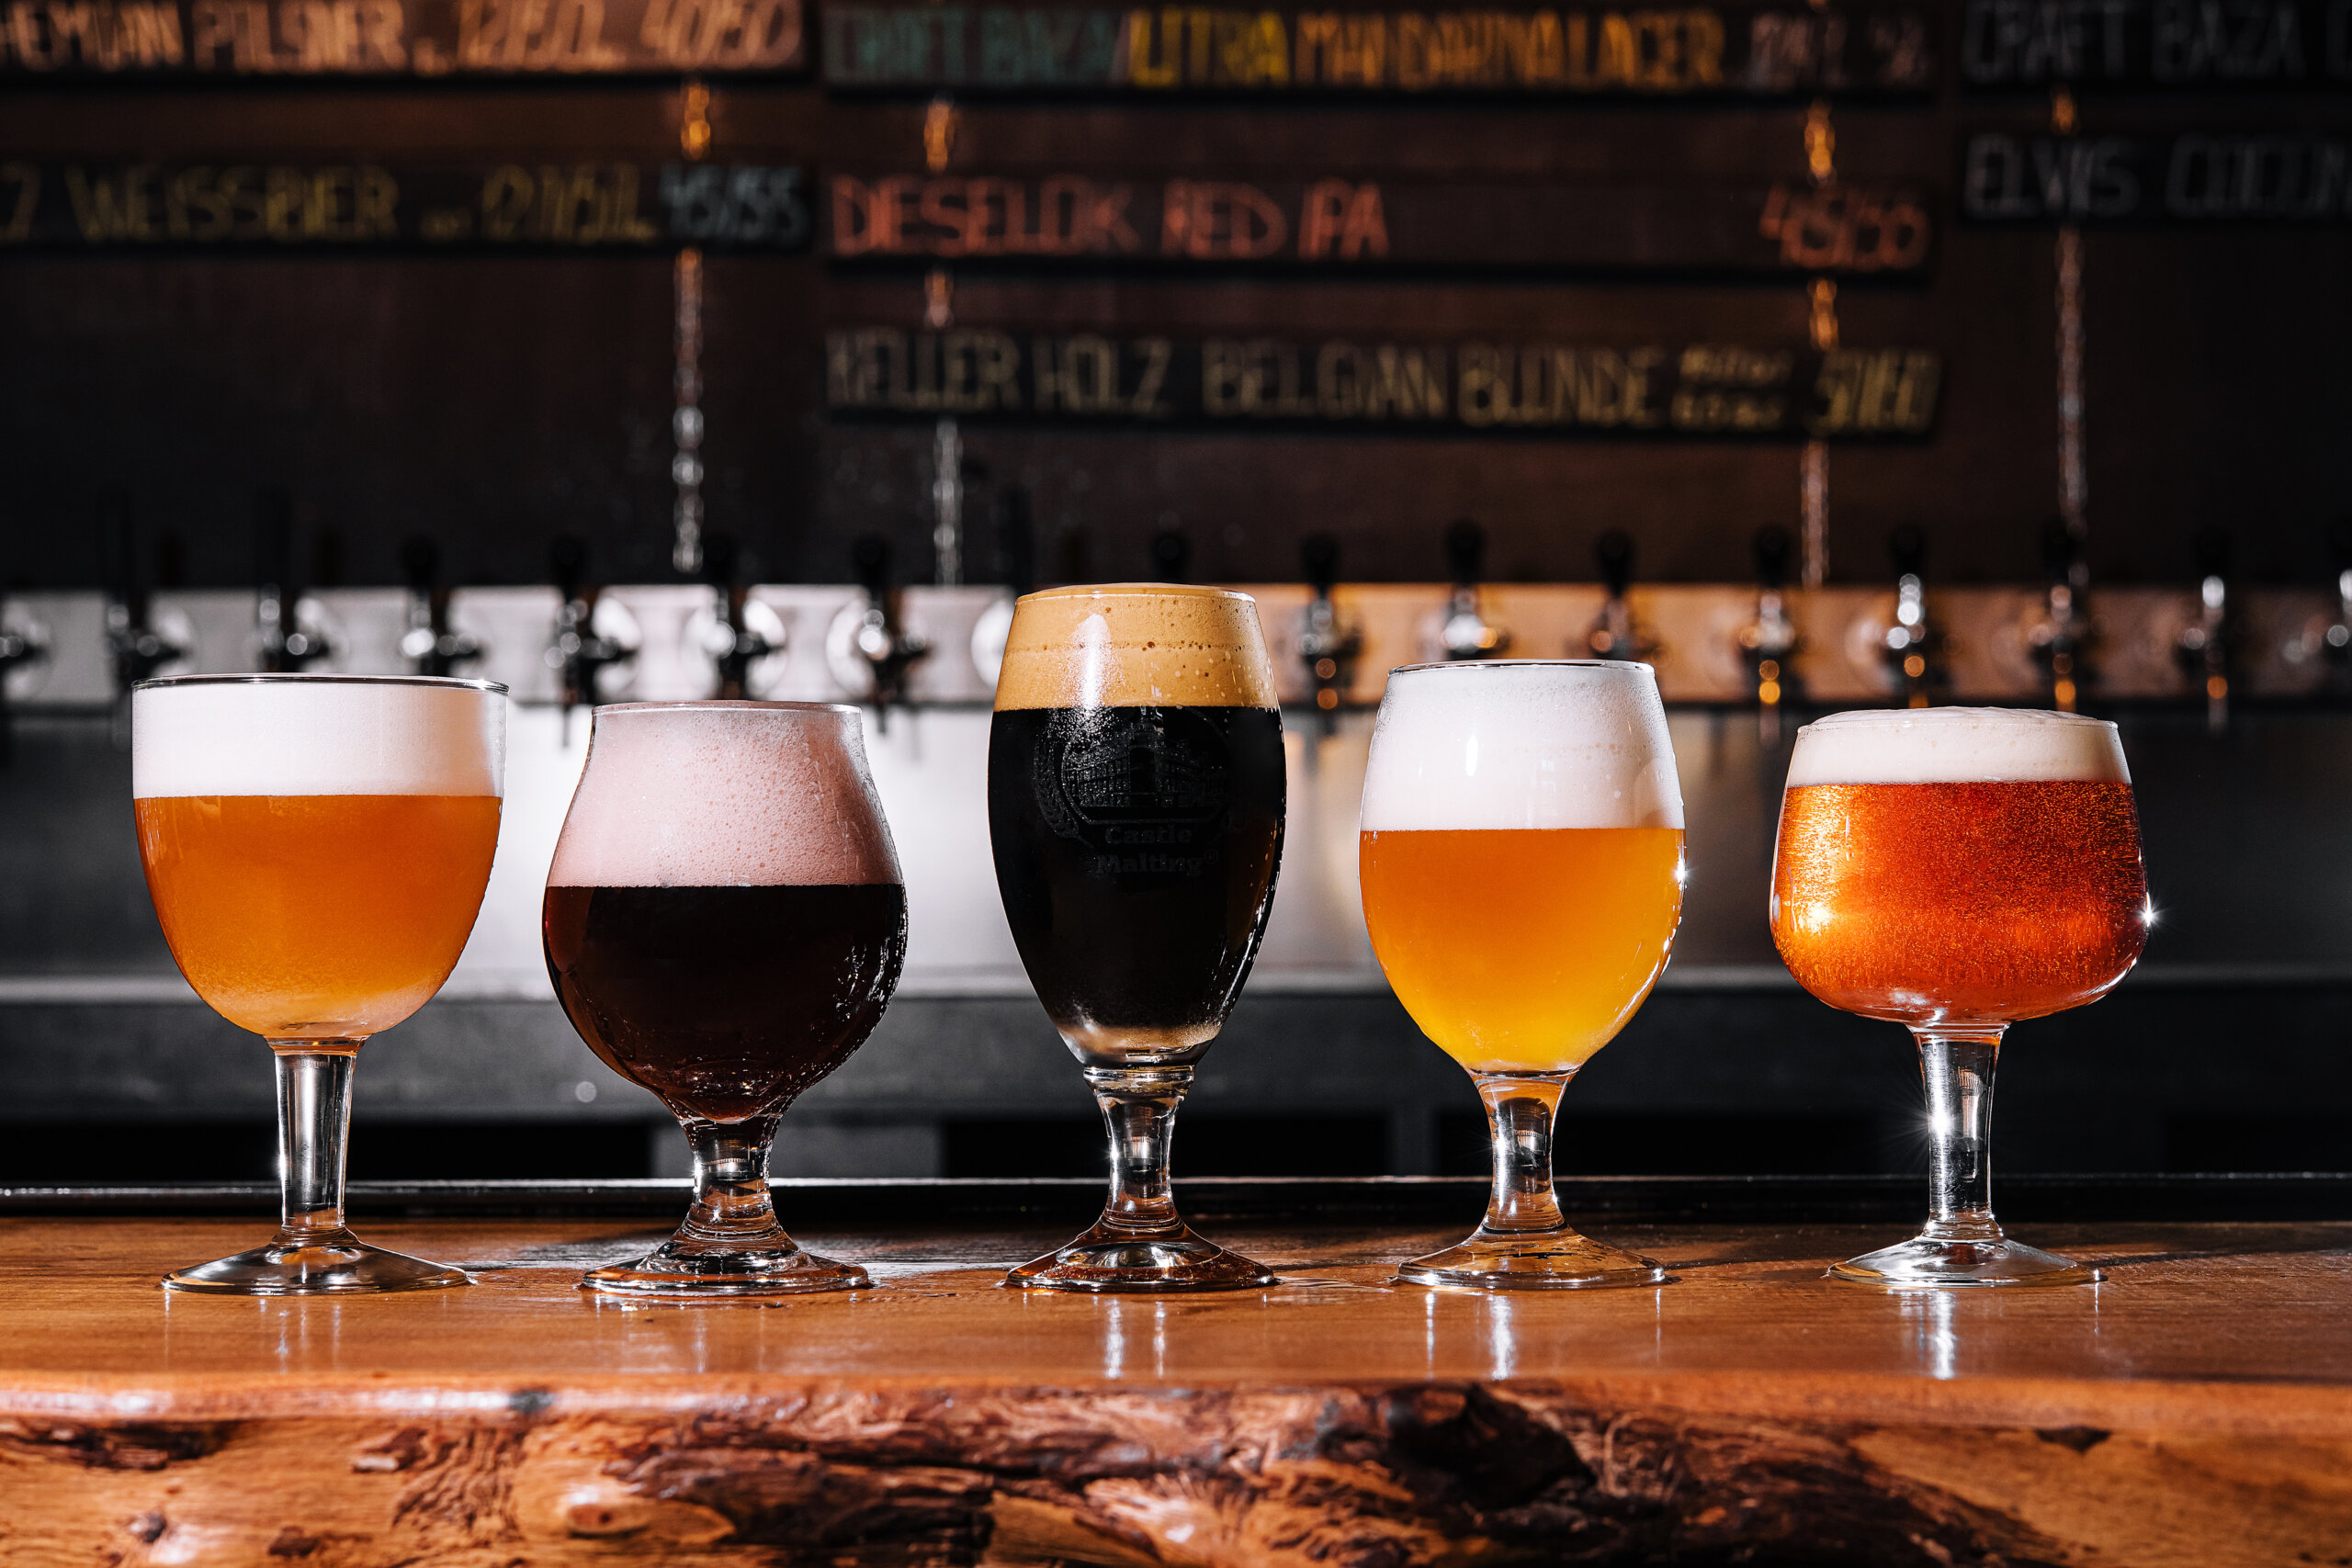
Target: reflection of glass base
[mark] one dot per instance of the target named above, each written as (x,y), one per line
(334,1263)
(676,1272)
(1108,1261)
(1927,1263)
(1539,1260)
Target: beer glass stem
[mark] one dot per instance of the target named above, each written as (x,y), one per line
(1520,1108)
(1958,1071)
(314,1128)
(1139,1110)
(732,1205)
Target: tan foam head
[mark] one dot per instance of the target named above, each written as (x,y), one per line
(1136,645)
(724,794)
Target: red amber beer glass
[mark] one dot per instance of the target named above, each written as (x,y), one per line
(1521,861)
(1955,870)
(317,847)
(724,923)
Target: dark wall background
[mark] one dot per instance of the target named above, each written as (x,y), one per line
(495,402)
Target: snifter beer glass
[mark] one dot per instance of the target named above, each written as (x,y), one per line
(1520,853)
(724,923)
(1135,811)
(1955,870)
(317,848)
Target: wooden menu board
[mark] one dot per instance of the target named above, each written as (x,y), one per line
(1469,387)
(2223,45)
(2188,177)
(507,204)
(1358,224)
(1693,50)
(258,40)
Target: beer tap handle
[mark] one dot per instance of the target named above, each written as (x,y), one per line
(1466,553)
(273,574)
(2203,646)
(1614,554)
(1910,649)
(568,566)
(1172,556)
(2058,641)
(2339,635)
(421,564)
(870,555)
(1773,545)
(1319,560)
(1016,540)
(1907,547)
(2062,554)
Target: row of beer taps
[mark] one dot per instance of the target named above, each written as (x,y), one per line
(871,649)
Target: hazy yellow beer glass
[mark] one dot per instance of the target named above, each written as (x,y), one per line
(317,847)
(1522,863)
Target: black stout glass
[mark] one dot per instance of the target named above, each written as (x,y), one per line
(1135,793)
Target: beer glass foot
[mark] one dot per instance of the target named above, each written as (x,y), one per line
(676,1272)
(1550,1260)
(1105,1259)
(333,1264)
(1926,1262)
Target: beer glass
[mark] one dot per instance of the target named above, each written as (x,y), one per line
(1135,801)
(317,848)
(724,923)
(1955,870)
(1520,853)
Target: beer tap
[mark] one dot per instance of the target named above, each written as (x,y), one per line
(1465,632)
(2061,641)
(22,646)
(874,636)
(2337,636)
(739,636)
(287,643)
(2203,646)
(1016,565)
(136,646)
(580,650)
(1613,634)
(1768,643)
(1914,646)
(1327,646)
(429,644)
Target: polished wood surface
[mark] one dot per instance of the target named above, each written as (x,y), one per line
(2196,1408)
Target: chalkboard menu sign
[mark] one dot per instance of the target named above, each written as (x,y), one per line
(1362,225)
(1551,52)
(1463,388)
(257,39)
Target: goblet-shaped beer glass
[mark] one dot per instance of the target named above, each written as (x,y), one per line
(1135,797)
(317,848)
(1522,862)
(724,923)
(1955,870)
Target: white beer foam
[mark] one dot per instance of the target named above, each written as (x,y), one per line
(316,736)
(724,794)
(1521,744)
(1956,746)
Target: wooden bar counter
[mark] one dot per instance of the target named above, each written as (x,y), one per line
(2195,1409)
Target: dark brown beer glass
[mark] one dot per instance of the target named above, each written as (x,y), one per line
(1955,870)
(1135,793)
(724,924)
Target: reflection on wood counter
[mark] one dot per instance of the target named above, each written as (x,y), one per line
(2198,1408)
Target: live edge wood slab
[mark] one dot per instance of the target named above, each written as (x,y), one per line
(2197,1409)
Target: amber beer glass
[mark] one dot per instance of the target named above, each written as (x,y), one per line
(1520,854)
(1135,796)
(1954,870)
(317,848)
(724,923)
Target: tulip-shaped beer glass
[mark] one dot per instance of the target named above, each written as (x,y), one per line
(1521,861)
(1136,794)
(724,924)
(1955,870)
(317,848)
